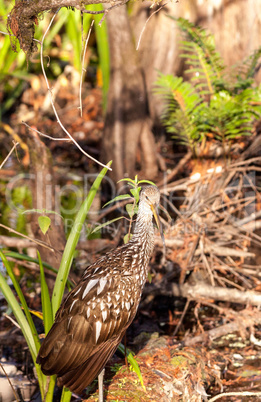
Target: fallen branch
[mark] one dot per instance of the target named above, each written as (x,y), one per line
(244,393)
(213,334)
(16,242)
(242,320)
(203,291)
(174,172)
(225,251)
(172,243)
(91,246)
(38,242)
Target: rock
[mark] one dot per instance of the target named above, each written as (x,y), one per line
(6,392)
(7,369)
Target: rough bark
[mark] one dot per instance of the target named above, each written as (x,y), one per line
(202,290)
(128,128)
(43,187)
(159,43)
(127,125)
(25,14)
(235,37)
(236,25)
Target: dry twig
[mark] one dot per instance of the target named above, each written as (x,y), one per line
(244,393)
(9,154)
(51,98)
(205,291)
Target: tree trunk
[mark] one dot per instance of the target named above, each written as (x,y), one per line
(158,40)
(235,37)
(43,194)
(127,125)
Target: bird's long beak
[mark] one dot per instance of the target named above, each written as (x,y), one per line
(156,216)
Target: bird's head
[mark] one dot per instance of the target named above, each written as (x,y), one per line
(149,201)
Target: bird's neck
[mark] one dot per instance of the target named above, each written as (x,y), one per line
(144,232)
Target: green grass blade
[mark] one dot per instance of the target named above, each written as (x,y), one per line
(49,394)
(25,322)
(19,315)
(36,342)
(66,395)
(72,241)
(103,50)
(25,257)
(72,27)
(25,327)
(133,362)
(46,302)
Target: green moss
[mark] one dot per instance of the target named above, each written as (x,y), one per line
(181,360)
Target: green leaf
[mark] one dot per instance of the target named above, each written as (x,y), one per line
(72,241)
(44,223)
(46,302)
(133,362)
(130,182)
(25,321)
(34,345)
(118,198)
(25,257)
(105,224)
(147,182)
(66,395)
(127,238)
(136,193)
(130,208)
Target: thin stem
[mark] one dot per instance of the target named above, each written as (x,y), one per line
(9,154)
(51,98)
(83,69)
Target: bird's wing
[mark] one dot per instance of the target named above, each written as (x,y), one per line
(89,323)
(81,377)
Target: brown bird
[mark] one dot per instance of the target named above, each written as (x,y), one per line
(94,316)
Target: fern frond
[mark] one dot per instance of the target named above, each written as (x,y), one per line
(212,102)
(198,37)
(252,64)
(181,103)
(181,94)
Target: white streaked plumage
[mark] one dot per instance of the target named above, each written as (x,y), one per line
(89,286)
(94,317)
(98,326)
(73,303)
(104,315)
(102,283)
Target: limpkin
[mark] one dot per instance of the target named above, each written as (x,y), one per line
(94,316)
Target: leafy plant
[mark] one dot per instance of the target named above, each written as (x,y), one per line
(66,31)
(131,209)
(49,306)
(213,103)
(19,198)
